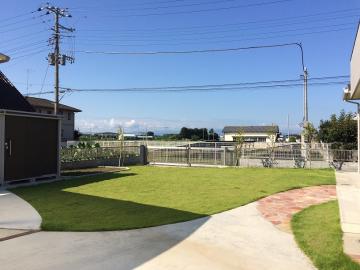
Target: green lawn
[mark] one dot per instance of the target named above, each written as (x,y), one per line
(318,233)
(150,196)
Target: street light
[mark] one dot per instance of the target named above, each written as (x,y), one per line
(4,58)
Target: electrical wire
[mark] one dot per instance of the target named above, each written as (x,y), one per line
(266,21)
(214,89)
(236,84)
(24,46)
(157,2)
(197,33)
(43,82)
(211,38)
(23,36)
(22,27)
(260,4)
(17,16)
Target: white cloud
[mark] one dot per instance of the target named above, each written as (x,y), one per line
(137,125)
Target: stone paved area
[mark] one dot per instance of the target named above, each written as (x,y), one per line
(280,207)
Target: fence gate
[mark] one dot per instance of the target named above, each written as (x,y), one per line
(187,156)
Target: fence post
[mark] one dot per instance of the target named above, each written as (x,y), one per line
(224,156)
(189,155)
(215,154)
(143,155)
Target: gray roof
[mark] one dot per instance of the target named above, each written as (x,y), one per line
(251,129)
(45,103)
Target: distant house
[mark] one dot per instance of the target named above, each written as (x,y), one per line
(46,106)
(29,141)
(106,135)
(251,133)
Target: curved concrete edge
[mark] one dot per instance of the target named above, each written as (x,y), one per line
(16,213)
(236,239)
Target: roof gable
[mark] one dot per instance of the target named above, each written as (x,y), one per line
(11,98)
(251,129)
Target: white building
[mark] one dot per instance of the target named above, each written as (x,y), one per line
(352,94)
(251,133)
(355,69)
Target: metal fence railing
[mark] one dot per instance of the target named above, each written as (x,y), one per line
(96,153)
(284,157)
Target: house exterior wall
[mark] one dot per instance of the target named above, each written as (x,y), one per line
(229,137)
(355,68)
(67,122)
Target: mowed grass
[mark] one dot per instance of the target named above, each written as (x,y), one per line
(318,233)
(150,196)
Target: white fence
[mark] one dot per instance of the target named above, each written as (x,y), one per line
(282,157)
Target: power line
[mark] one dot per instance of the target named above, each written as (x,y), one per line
(239,84)
(17,16)
(29,54)
(292,18)
(222,37)
(322,78)
(24,46)
(204,10)
(43,82)
(213,41)
(213,89)
(190,33)
(160,2)
(22,27)
(285,21)
(188,52)
(23,36)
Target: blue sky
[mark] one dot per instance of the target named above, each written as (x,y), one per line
(326,29)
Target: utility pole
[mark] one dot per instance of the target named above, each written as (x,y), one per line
(288,124)
(306,113)
(56,58)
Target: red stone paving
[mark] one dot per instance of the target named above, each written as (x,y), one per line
(280,207)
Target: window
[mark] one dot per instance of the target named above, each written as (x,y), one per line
(69,115)
(49,112)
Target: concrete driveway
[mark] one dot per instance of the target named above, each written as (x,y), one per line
(237,239)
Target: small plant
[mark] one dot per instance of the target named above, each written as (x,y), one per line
(337,165)
(269,161)
(299,163)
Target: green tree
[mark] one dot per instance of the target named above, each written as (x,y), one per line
(340,130)
(310,133)
(213,135)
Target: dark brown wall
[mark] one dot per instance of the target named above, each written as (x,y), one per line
(34,144)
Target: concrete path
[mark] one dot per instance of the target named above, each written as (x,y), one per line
(237,239)
(279,208)
(17,217)
(15,213)
(348,190)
